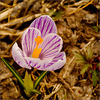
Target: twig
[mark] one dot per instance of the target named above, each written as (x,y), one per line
(80,8)
(17,21)
(4,4)
(5,14)
(14,2)
(96,87)
(5,33)
(7,29)
(11,45)
(52,93)
(5,56)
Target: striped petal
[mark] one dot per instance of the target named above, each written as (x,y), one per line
(48,65)
(51,46)
(45,24)
(57,62)
(28,40)
(18,56)
(37,63)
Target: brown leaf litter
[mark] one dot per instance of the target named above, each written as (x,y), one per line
(75,28)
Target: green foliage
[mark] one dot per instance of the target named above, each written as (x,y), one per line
(87,62)
(79,57)
(98,64)
(94,77)
(88,53)
(30,87)
(42,75)
(85,67)
(28,83)
(56,15)
(96,28)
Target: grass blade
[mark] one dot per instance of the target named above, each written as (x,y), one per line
(42,75)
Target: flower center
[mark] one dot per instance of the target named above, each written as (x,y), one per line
(37,50)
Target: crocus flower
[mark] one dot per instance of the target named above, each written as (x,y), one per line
(41,46)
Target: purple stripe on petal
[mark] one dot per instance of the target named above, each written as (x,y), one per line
(43,26)
(34,65)
(50,64)
(26,43)
(44,66)
(50,29)
(29,38)
(34,24)
(38,66)
(56,47)
(39,23)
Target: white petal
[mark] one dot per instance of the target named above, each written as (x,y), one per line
(18,56)
(58,62)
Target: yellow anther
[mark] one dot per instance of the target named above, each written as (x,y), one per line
(37,50)
(38,40)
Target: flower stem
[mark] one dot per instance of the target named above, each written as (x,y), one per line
(42,75)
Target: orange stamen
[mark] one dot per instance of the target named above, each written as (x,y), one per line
(37,50)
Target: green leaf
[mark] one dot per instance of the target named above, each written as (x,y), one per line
(29,94)
(89,53)
(35,91)
(94,77)
(84,69)
(95,28)
(58,15)
(99,26)
(11,68)
(42,75)
(79,57)
(50,11)
(98,74)
(28,83)
(80,61)
(98,64)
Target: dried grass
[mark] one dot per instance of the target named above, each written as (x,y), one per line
(74,26)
